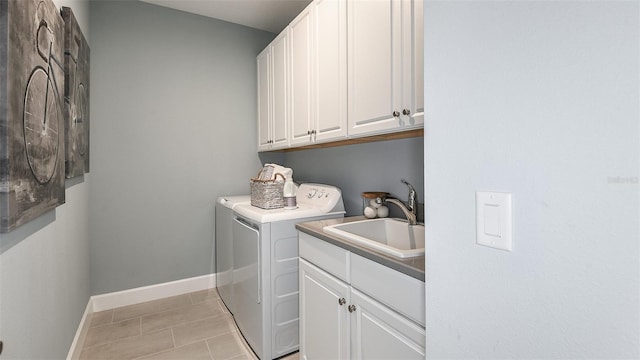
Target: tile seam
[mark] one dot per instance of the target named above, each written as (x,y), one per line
(172,325)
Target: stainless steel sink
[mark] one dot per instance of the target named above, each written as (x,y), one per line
(390,236)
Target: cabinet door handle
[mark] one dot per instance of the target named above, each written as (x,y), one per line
(396,114)
(406,112)
(342,301)
(352,308)
(308,132)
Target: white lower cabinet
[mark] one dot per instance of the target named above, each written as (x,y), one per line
(324,326)
(339,321)
(378,332)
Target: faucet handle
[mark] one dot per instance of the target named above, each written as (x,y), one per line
(409,185)
(412,196)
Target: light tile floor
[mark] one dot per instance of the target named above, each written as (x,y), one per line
(189,326)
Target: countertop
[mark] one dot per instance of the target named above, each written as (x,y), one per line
(413,267)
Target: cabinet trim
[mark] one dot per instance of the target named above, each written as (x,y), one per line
(362,140)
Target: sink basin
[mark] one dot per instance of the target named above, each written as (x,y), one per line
(390,236)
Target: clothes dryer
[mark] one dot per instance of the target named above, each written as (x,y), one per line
(265,268)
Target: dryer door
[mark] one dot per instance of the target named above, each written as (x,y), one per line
(224,255)
(247,282)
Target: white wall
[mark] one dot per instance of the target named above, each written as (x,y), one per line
(44,267)
(173,126)
(540,99)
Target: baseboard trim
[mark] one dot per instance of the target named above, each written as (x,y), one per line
(81,333)
(134,296)
(152,292)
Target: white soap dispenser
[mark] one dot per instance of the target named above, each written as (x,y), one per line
(290,190)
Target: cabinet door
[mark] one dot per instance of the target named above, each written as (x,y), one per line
(301,43)
(378,332)
(324,326)
(413,63)
(280,88)
(374,65)
(264,99)
(330,69)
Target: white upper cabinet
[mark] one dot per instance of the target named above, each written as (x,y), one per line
(301,72)
(330,70)
(342,68)
(264,99)
(280,88)
(273,101)
(319,73)
(413,74)
(385,66)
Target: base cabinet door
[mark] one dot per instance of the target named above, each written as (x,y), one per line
(324,326)
(339,322)
(378,332)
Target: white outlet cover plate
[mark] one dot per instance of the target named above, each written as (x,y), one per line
(494,220)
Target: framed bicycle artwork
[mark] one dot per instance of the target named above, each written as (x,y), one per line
(32,147)
(76,97)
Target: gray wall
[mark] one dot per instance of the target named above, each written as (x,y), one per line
(539,99)
(173,127)
(44,267)
(357,168)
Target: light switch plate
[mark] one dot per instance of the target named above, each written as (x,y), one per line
(494,220)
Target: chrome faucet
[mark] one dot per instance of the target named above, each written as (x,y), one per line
(413,205)
(410,210)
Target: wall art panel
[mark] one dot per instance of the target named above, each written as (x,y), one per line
(31,110)
(76,97)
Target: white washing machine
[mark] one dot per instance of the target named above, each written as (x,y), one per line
(224,245)
(265,268)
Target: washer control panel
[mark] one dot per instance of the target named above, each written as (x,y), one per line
(326,197)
